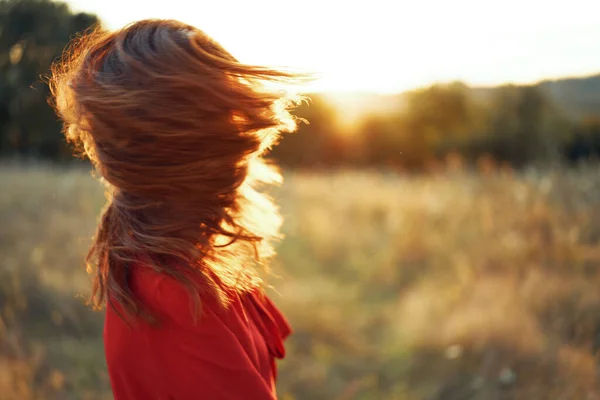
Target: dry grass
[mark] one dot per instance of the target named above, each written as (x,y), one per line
(444,287)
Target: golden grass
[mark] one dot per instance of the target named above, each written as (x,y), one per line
(453,286)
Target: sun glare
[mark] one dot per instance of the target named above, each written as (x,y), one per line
(386,47)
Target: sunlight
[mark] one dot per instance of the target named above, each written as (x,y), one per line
(352,106)
(388,47)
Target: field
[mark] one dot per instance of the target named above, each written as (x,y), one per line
(442,287)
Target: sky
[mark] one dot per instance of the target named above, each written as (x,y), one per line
(386,46)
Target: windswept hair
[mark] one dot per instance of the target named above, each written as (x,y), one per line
(175,127)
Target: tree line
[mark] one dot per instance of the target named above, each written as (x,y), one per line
(516,125)
(519,125)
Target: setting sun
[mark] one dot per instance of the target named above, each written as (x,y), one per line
(388,46)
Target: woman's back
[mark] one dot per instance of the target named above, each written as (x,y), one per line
(225,353)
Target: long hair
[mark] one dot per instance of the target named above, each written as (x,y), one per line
(175,127)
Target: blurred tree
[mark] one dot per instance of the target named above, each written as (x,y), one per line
(431,118)
(436,115)
(584,145)
(524,126)
(32,34)
(318,143)
(517,124)
(383,139)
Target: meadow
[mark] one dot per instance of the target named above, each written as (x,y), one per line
(455,285)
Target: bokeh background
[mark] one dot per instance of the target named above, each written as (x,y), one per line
(441,208)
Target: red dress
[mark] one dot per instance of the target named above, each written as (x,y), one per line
(228,354)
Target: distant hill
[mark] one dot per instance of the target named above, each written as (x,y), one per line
(579,97)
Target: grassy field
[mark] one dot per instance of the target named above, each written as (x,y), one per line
(453,286)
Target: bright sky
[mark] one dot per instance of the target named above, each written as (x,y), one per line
(391,45)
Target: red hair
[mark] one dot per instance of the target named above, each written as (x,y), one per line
(175,126)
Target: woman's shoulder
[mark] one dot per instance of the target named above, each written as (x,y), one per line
(169,298)
(172,302)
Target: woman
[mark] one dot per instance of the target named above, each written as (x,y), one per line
(175,127)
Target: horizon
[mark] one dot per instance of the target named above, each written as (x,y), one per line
(516,42)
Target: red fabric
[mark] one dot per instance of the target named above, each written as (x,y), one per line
(227,355)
